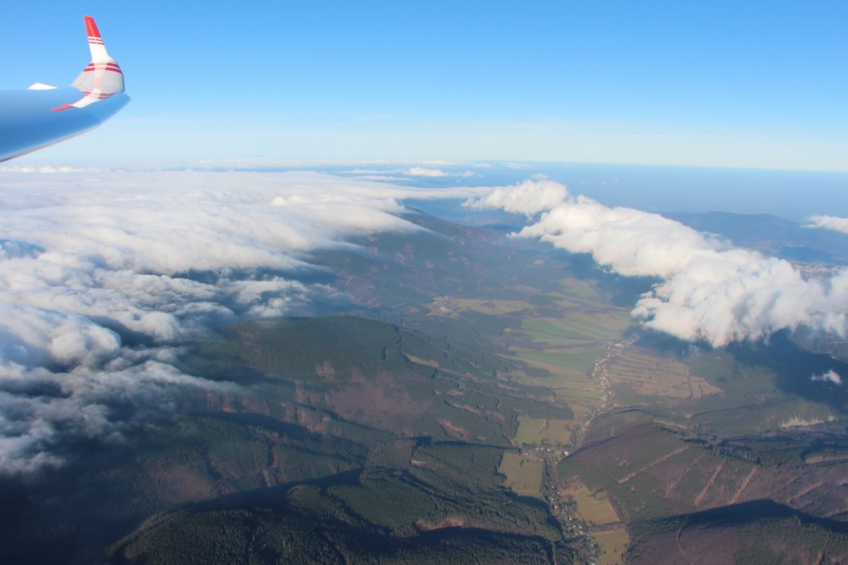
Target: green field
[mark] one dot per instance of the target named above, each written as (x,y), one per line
(575,326)
(613,545)
(523,474)
(594,508)
(535,431)
(577,359)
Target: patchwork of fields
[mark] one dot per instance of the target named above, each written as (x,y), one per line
(463,399)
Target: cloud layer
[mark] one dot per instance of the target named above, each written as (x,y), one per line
(708,289)
(105,277)
(834,223)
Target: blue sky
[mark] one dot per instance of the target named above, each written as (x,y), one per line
(738,84)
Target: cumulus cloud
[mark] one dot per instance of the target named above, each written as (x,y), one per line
(708,289)
(423,172)
(527,198)
(834,223)
(829,377)
(104,278)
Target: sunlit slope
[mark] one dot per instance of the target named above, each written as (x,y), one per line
(333,349)
(338,371)
(717,435)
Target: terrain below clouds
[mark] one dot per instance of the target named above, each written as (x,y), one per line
(299,357)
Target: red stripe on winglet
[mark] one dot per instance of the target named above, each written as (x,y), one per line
(110,69)
(91,27)
(63,107)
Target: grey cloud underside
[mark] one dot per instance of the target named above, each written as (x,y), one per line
(708,289)
(89,262)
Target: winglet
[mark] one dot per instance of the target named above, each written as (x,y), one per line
(102,77)
(95,42)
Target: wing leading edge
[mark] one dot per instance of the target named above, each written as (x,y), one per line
(44,115)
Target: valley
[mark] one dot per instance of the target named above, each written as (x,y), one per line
(472,397)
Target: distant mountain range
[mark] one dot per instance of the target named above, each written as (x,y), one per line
(771,235)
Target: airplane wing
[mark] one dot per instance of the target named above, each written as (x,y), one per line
(44,115)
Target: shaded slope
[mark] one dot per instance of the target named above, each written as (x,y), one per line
(759,532)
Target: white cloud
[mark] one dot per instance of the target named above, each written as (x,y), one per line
(88,258)
(527,198)
(829,223)
(709,290)
(425,172)
(830,376)
(42,169)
